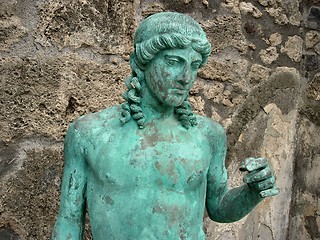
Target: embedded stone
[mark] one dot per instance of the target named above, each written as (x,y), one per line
(313,19)
(293,48)
(275,39)
(266,3)
(269,55)
(198,104)
(312,38)
(317,48)
(246,8)
(313,90)
(311,62)
(259,73)
(279,15)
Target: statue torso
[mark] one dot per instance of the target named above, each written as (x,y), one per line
(145,183)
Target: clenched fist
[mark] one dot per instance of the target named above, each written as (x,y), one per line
(260,177)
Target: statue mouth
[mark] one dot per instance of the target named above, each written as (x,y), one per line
(179,91)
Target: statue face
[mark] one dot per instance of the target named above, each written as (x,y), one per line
(171,74)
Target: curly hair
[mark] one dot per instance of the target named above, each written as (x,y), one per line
(156,33)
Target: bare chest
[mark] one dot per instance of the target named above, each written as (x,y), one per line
(168,162)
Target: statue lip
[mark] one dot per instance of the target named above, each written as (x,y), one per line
(180,90)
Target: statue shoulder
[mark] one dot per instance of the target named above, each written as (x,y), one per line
(211,129)
(92,124)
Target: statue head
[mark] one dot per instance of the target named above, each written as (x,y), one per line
(155,34)
(168,30)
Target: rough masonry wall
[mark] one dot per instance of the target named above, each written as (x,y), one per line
(60,59)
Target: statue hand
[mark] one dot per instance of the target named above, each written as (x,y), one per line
(259,177)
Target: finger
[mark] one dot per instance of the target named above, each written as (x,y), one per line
(243,166)
(265,184)
(270,192)
(252,164)
(258,176)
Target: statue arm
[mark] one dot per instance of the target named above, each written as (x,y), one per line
(224,205)
(70,221)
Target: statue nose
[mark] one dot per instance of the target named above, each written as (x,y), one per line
(186,80)
(186,77)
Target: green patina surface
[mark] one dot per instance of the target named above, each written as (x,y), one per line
(148,168)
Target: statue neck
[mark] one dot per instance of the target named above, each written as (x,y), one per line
(152,108)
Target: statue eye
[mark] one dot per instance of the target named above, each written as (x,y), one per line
(195,65)
(171,61)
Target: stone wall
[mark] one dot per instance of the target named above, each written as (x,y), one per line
(64,58)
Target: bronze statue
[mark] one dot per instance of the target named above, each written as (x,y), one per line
(148,168)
